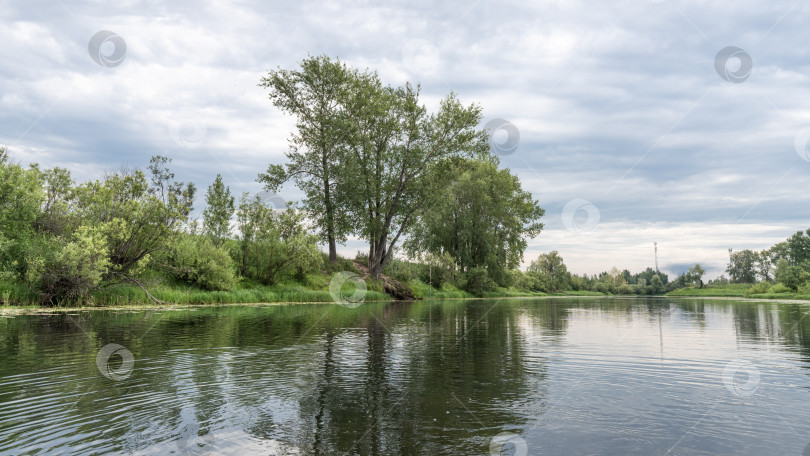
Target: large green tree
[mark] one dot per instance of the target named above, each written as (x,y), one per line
(695,275)
(401,159)
(217,214)
(743,266)
(316,94)
(798,247)
(482,220)
(551,271)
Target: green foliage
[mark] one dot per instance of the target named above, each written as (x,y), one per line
(66,270)
(759,288)
(368,157)
(401,270)
(217,214)
(21,198)
(477,281)
(401,158)
(56,216)
(798,248)
(195,260)
(523,281)
(743,266)
(482,220)
(695,275)
(436,269)
(274,245)
(550,272)
(792,276)
(657,285)
(317,95)
(139,219)
(781,288)
(340,264)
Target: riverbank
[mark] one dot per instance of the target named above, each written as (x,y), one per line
(173,296)
(735,290)
(157,290)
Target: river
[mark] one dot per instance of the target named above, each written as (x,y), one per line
(559,376)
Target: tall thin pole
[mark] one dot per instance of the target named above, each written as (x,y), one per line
(656,256)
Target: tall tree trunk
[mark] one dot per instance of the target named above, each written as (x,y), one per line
(330,215)
(380,257)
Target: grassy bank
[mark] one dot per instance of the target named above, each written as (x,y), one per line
(313,288)
(735,290)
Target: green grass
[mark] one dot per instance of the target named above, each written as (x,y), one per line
(736,290)
(243,293)
(314,289)
(511,293)
(423,290)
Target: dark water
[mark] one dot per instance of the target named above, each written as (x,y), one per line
(540,377)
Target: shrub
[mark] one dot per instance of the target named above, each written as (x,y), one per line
(626,289)
(437,270)
(759,288)
(477,281)
(274,245)
(522,281)
(138,218)
(780,288)
(197,261)
(402,270)
(67,270)
(792,276)
(340,264)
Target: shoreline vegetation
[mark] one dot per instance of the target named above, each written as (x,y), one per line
(12,310)
(424,190)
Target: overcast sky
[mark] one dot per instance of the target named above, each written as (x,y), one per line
(637,121)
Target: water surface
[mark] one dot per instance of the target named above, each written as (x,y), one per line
(605,376)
